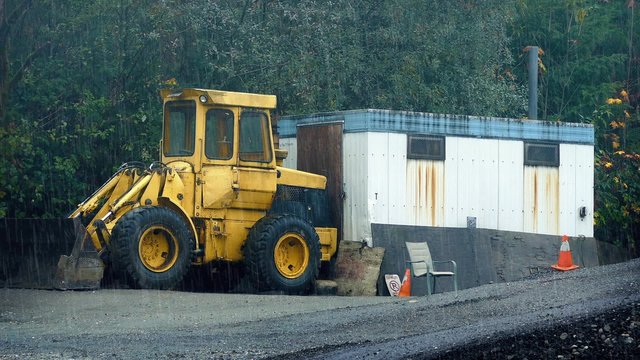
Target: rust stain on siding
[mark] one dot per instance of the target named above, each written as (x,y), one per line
(426,200)
(553,199)
(545,199)
(434,186)
(419,192)
(425,177)
(535,199)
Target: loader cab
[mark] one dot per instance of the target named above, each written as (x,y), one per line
(217,127)
(221,143)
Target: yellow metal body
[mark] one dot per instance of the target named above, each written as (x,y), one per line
(220,196)
(328,242)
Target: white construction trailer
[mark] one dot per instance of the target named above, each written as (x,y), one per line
(436,170)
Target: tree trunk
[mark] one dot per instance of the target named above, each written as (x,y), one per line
(4,71)
(7,20)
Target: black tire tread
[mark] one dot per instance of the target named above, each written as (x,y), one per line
(258,253)
(124,249)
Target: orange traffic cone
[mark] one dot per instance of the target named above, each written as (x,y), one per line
(405,288)
(564,259)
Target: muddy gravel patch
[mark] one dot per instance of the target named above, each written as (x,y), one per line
(614,334)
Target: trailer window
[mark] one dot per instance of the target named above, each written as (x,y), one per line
(219,134)
(537,154)
(179,128)
(426,147)
(255,141)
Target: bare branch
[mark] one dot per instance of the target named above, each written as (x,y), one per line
(1,12)
(244,11)
(25,64)
(15,15)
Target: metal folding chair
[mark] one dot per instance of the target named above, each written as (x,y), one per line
(421,264)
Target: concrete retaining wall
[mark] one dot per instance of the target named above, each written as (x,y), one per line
(483,256)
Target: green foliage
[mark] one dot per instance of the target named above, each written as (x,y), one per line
(82,107)
(586,46)
(410,55)
(591,51)
(79,79)
(617,177)
(618,189)
(89,71)
(17,153)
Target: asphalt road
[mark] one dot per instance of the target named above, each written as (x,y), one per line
(164,324)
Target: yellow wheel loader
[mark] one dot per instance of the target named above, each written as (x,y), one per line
(218,194)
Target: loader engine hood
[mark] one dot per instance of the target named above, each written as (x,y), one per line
(299,178)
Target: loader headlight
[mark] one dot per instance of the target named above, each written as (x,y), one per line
(203,99)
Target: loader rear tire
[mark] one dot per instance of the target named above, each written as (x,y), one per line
(282,253)
(151,247)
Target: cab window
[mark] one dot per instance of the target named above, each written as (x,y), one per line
(219,134)
(179,128)
(255,142)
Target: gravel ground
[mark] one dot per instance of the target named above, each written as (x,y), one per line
(541,317)
(614,334)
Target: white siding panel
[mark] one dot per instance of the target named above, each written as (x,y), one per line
(510,185)
(356,226)
(291,145)
(567,195)
(467,182)
(484,178)
(489,184)
(478,182)
(451,183)
(541,200)
(584,188)
(411,195)
(378,177)
(397,157)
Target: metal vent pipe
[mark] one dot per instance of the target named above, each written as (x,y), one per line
(533,82)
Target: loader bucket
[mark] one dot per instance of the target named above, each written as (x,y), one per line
(30,249)
(83,269)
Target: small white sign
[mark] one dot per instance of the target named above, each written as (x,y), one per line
(393,283)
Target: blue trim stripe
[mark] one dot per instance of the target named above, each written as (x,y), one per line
(372,120)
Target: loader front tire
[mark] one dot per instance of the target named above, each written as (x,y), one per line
(282,253)
(151,247)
